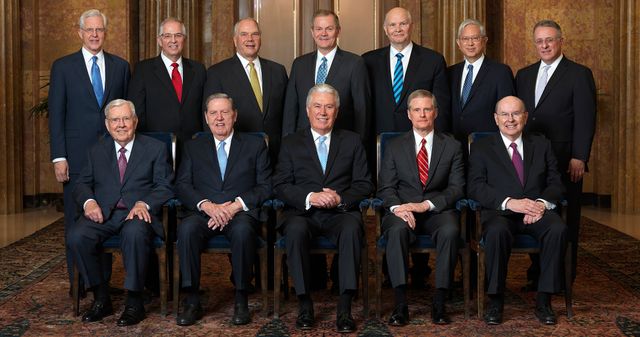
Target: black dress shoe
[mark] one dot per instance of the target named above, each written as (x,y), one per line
(546,315)
(190,314)
(400,316)
(99,309)
(241,315)
(439,315)
(131,315)
(345,323)
(305,320)
(493,316)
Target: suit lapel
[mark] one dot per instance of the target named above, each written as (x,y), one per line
(160,71)
(457,83)
(484,69)
(136,157)
(529,153)
(504,159)
(310,144)
(235,153)
(412,71)
(308,63)
(110,74)
(266,86)
(334,146)
(555,79)
(410,155)
(436,153)
(85,80)
(336,65)
(240,74)
(187,79)
(109,148)
(211,158)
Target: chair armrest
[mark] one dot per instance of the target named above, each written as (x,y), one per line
(462,205)
(476,207)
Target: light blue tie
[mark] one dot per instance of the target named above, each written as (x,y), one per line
(322,71)
(398,78)
(468,82)
(222,159)
(322,152)
(96,81)
(542,83)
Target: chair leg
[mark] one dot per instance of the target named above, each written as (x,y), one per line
(365,281)
(162,268)
(277,279)
(568,288)
(75,290)
(285,276)
(481,278)
(176,280)
(465,281)
(263,279)
(379,257)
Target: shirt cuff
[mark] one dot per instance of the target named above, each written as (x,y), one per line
(393,207)
(200,204)
(503,206)
(432,207)
(307,203)
(55,160)
(85,203)
(547,204)
(244,206)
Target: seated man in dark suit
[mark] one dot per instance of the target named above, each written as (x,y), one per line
(322,176)
(121,189)
(223,195)
(421,178)
(515,178)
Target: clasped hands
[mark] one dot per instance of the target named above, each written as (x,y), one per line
(93,212)
(220,214)
(533,210)
(328,198)
(405,212)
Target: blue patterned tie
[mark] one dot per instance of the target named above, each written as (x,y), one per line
(542,83)
(222,159)
(322,71)
(398,78)
(96,80)
(322,152)
(468,82)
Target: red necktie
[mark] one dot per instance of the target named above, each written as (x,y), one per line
(122,167)
(423,163)
(177,80)
(516,159)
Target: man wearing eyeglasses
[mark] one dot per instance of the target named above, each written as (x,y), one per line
(167,89)
(515,178)
(477,83)
(80,86)
(561,97)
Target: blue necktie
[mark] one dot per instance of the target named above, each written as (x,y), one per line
(222,159)
(322,152)
(466,88)
(96,80)
(542,83)
(398,78)
(322,71)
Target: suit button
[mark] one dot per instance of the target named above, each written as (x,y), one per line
(533,118)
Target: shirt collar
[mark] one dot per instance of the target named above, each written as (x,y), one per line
(418,138)
(245,62)
(554,64)
(476,65)
(507,142)
(128,147)
(330,55)
(316,135)
(226,140)
(87,55)
(167,62)
(405,52)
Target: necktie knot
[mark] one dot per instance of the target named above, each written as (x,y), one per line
(423,142)
(122,150)
(470,68)
(94,59)
(514,146)
(399,56)
(321,139)
(174,65)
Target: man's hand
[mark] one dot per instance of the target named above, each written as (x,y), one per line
(406,216)
(93,212)
(415,207)
(61,169)
(534,209)
(220,214)
(140,211)
(576,169)
(328,198)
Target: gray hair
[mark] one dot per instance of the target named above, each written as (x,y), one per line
(324,88)
(235,26)
(384,24)
(219,95)
(548,23)
(119,102)
(474,22)
(171,19)
(421,93)
(90,13)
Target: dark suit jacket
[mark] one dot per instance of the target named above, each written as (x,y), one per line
(492,176)
(347,74)
(299,172)
(247,174)
(493,82)
(156,101)
(566,113)
(230,78)
(76,120)
(147,178)
(426,70)
(399,181)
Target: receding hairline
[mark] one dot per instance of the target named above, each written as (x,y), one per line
(386,16)
(183,28)
(237,24)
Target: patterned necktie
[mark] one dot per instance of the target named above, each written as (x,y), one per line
(255,84)
(96,81)
(177,81)
(322,71)
(423,163)
(222,159)
(516,159)
(322,152)
(542,82)
(122,167)
(398,78)
(466,88)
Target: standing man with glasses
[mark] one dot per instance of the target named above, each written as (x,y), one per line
(81,84)
(561,97)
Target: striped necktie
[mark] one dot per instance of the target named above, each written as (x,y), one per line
(398,78)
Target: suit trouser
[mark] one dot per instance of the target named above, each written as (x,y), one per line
(344,229)
(444,229)
(193,234)
(574,207)
(498,235)
(85,242)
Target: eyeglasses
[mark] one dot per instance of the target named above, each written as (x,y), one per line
(94,30)
(467,39)
(168,36)
(514,115)
(548,40)
(117,120)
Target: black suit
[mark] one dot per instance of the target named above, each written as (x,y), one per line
(348,75)
(399,183)
(247,176)
(426,70)
(230,77)
(297,174)
(566,114)
(492,178)
(493,82)
(156,101)
(148,179)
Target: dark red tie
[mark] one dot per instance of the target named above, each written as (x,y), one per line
(516,159)
(423,163)
(122,167)
(177,80)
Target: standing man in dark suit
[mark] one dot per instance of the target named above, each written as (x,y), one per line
(421,179)
(167,89)
(322,176)
(81,84)
(342,70)
(222,195)
(515,178)
(256,85)
(122,188)
(561,97)
(477,83)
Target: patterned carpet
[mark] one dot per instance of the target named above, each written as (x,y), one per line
(34,301)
